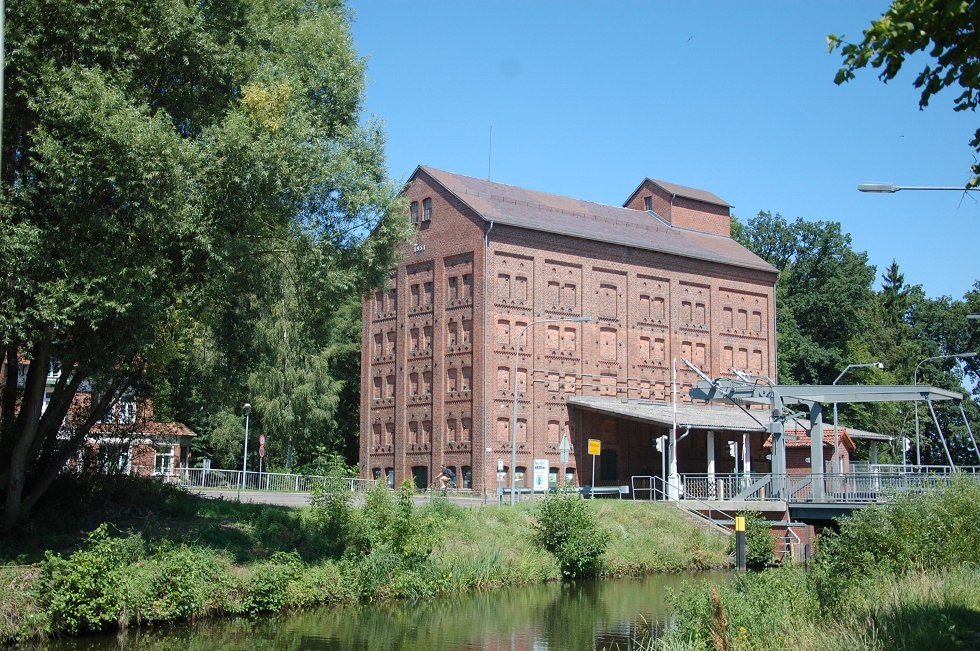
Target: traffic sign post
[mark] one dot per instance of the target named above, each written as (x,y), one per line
(595,449)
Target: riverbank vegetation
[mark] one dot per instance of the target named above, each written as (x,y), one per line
(904,575)
(154,553)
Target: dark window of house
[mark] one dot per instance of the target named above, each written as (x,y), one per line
(421,476)
(415,212)
(426,209)
(648,203)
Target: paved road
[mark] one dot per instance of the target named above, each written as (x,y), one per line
(303,499)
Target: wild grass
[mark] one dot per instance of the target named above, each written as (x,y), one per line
(905,575)
(158,554)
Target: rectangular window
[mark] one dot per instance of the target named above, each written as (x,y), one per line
(453,288)
(467,285)
(467,379)
(415,212)
(553,335)
(426,210)
(648,203)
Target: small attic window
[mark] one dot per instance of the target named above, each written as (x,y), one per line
(415,212)
(426,210)
(648,203)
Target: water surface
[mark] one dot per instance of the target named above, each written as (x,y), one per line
(558,617)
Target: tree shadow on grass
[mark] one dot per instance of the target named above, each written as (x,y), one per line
(161,514)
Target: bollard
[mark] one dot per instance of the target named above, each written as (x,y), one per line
(740,542)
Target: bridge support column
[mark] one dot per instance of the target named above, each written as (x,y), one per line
(816,451)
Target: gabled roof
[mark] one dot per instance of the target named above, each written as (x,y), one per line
(539,211)
(684,191)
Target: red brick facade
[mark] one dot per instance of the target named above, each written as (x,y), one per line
(439,343)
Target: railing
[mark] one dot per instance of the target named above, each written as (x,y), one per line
(658,490)
(218,479)
(856,487)
(703,486)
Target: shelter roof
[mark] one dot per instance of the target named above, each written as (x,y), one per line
(718,418)
(540,211)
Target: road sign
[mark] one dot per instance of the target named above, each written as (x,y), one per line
(564,449)
(595,447)
(261,451)
(261,439)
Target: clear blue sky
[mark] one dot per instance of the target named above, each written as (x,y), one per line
(586,99)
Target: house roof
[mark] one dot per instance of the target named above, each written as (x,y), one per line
(684,191)
(549,213)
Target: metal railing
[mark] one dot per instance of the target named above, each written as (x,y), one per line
(879,483)
(657,489)
(218,479)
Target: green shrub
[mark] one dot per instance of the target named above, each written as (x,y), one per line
(267,587)
(81,593)
(567,527)
(760,545)
(175,583)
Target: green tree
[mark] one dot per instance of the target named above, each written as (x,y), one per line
(945,30)
(157,157)
(822,296)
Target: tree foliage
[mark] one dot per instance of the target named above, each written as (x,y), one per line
(829,316)
(165,166)
(945,30)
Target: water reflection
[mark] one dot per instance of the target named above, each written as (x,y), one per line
(556,617)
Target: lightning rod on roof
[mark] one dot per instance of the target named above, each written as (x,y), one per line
(490,152)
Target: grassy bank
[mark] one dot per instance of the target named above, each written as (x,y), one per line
(905,575)
(127,552)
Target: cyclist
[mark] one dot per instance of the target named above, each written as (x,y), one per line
(446,478)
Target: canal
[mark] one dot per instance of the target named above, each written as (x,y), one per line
(606,614)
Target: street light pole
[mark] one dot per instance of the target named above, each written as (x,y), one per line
(915,382)
(513,422)
(247,408)
(836,457)
(891,188)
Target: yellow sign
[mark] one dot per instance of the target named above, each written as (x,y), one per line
(595,447)
(739,523)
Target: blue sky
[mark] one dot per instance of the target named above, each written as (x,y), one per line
(586,99)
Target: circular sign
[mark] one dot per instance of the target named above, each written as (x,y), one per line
(261,439)
(261,451)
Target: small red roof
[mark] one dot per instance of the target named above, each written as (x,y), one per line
(802,439)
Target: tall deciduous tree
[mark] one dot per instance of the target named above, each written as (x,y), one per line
(157,154)
(822,297)
(946,30)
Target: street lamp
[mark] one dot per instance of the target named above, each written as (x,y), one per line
(836,457)
(891,188)
(915,382)
(513,424)
(247,408)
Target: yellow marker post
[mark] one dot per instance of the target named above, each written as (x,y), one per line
(740,542)
(595,449)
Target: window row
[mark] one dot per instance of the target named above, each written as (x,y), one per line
(561,294)
(521,480)
(556,430)
(742,359)
(739,320)
(420,295)
(459,287)
(420,384)
(458,430)
(426,211)
(385,302)
(512,287)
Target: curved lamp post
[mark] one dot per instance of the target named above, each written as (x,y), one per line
(513,423)
(836,457)
(891,188)
(915,381)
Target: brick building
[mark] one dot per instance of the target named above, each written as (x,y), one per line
(661,280)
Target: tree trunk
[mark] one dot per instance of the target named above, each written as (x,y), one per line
(23,433)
